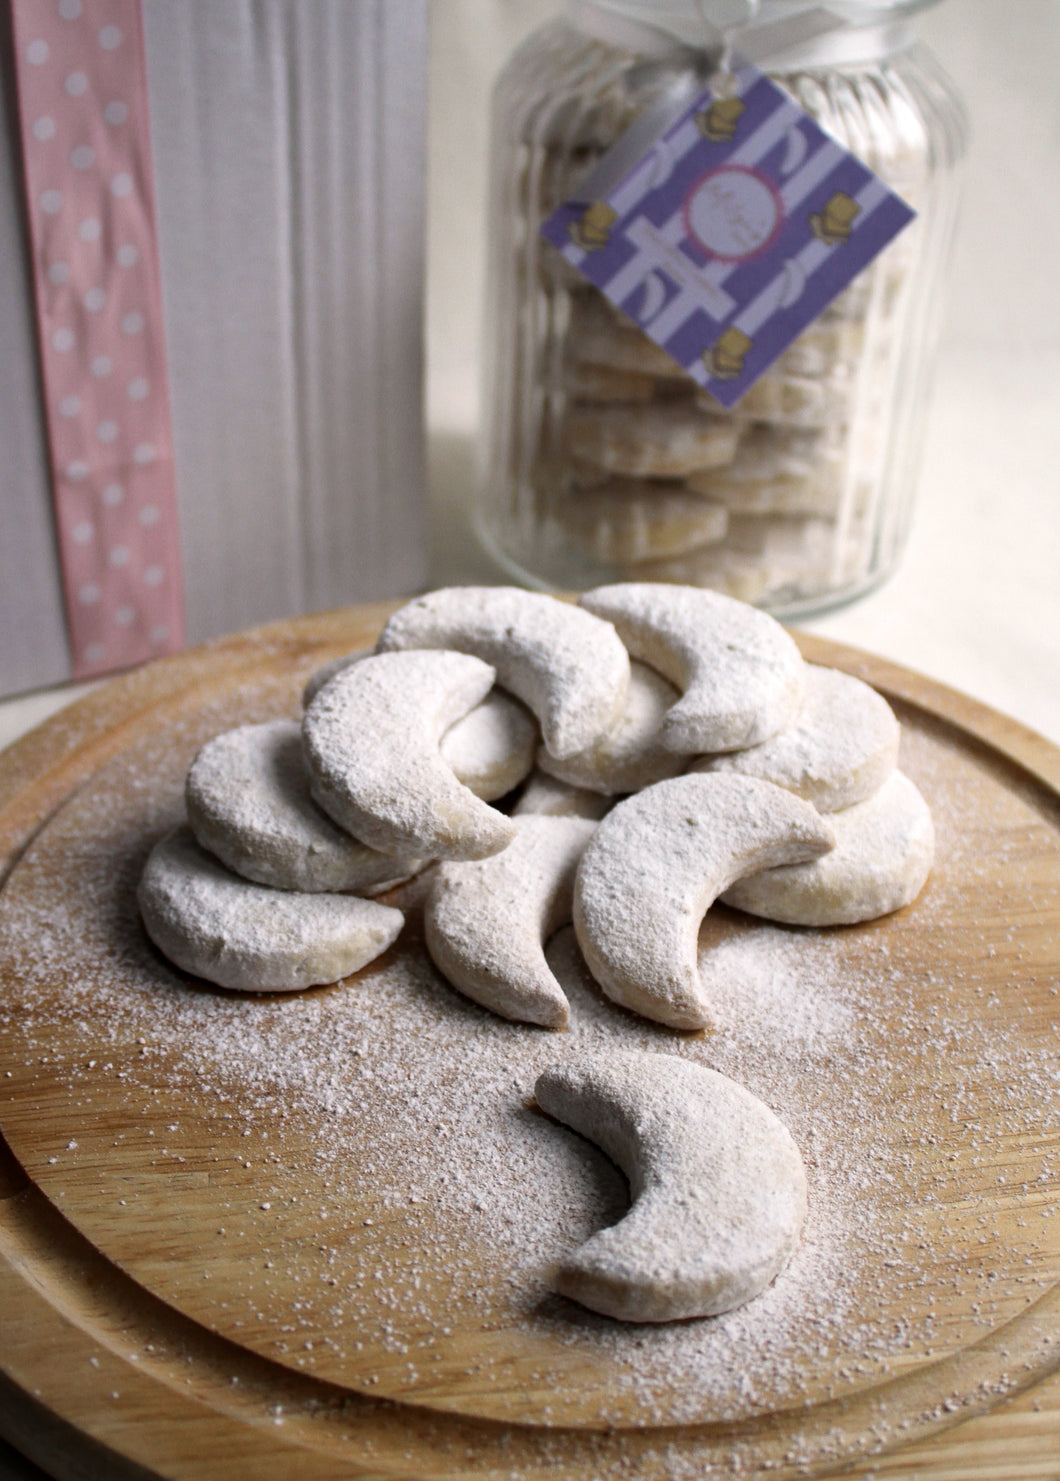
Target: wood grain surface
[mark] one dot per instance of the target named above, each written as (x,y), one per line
(208,1266)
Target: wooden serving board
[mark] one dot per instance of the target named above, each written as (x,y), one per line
(310,1235)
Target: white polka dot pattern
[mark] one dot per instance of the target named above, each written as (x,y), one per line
(84,123)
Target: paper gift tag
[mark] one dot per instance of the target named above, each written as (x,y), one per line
(730,232)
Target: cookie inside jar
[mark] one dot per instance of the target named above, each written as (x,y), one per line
(602,458)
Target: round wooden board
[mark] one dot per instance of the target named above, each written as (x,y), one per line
(231,1243)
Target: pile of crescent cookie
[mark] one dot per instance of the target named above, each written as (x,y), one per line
(653,748)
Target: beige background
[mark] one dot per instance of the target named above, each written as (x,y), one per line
(976,603)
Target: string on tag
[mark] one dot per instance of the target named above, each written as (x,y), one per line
(721,38)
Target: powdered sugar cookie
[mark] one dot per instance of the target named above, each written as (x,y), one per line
(821,347)
(248,802)
(491,749)
(779,471)
(371,738)
(632,755)
(798,400)
(631,519)
(572,673)
(718,1187)
(323,675)
(242,936)
(604,336)
(740,673)
(547,796)
(885,847)
(841,747)
(779,558)
(661,440)
(657,862)
(487,922)
(783,541)
(584,381)
(739,577)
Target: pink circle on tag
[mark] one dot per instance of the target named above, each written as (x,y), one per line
(734,213)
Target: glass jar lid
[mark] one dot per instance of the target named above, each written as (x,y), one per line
(865,28)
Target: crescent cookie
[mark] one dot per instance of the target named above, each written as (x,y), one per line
(635,519)
(601,335)
(243,936)
(249,804)
(717,1184)
(763,555)
(655,865)
(549,796)
(487,922)
(885,847)
(491,748)
(631,755)
(779,471)
(798,400)
(839,750)
(573,673)
(741,675)
(584,381)
(371,740)
(659,440)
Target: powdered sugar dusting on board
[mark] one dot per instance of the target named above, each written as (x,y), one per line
(908,1085)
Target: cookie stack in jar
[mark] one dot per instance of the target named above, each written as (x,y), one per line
(603,458)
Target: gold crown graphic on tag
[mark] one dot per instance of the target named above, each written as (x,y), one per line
(592,230)
(725,358)
(718,122)
(832,225)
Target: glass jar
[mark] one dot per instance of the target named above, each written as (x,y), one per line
(601,458)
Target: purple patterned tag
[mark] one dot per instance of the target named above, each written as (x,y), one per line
(731,232)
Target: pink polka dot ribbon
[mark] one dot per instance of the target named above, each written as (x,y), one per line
(83,107)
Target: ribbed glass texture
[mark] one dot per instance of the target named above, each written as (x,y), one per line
(601,460)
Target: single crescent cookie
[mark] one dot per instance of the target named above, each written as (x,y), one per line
(885,847)
(631,755)
(371,738)
(717,1184)
(487,922)
(571,672)
(841,747)
(491,748)
(244,936)
(249,804)
(656,864)
(740,673)
(547,795)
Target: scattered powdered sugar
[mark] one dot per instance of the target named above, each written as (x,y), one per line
(394,1119)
